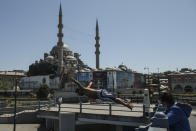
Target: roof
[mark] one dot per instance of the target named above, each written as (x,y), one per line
(182,74)
(12,73)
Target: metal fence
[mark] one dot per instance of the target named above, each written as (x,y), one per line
(83,107)
(27,106)
(108,108)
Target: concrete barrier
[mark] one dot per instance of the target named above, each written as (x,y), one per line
(67,122)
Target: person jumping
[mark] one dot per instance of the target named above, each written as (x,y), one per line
(99,94)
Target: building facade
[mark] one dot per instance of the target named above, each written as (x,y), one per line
(34,82)
(10,77)
(182,82)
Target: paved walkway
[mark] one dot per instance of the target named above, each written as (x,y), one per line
(19,127)
(103,109)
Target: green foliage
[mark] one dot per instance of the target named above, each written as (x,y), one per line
(5,85)
(42,68)
(43,91)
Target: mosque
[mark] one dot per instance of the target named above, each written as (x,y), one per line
(59,60)
(55,65)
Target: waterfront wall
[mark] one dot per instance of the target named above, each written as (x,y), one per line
(22,118)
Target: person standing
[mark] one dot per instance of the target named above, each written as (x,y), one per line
(59,101)
(177,114)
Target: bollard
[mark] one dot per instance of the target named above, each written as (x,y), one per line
(146,101)
(110,109)
(80,107)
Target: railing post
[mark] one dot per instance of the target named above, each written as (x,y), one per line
(39,105)
(137,99)
(59,107)
(110,109)
(144,112)
(80,107)
(49,105)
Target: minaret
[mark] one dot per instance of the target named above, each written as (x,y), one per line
(60,42)
(97,45)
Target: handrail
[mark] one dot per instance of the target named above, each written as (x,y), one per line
(109,107)
(81,108)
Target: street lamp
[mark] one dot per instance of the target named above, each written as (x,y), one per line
(15,95)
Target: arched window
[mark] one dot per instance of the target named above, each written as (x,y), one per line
(178,88)
(188,89)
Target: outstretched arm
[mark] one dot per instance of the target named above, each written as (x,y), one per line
(92,93)
(89,85)
(77,83)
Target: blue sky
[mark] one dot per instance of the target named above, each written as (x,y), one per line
(152,33)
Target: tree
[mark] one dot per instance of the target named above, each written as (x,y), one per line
(43,91)
(42,68)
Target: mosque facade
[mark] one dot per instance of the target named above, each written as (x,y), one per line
(59,62)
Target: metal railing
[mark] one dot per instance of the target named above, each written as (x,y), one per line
(38,105)
(107,107)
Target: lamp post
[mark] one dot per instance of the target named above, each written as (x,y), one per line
(15,95)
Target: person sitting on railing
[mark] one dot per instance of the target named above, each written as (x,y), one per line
(99,94)
(177,114)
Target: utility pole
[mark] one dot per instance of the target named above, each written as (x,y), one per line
(158,82)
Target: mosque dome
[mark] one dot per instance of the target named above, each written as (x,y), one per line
(122,67)
(49,57)
(71,58)
(56,48)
